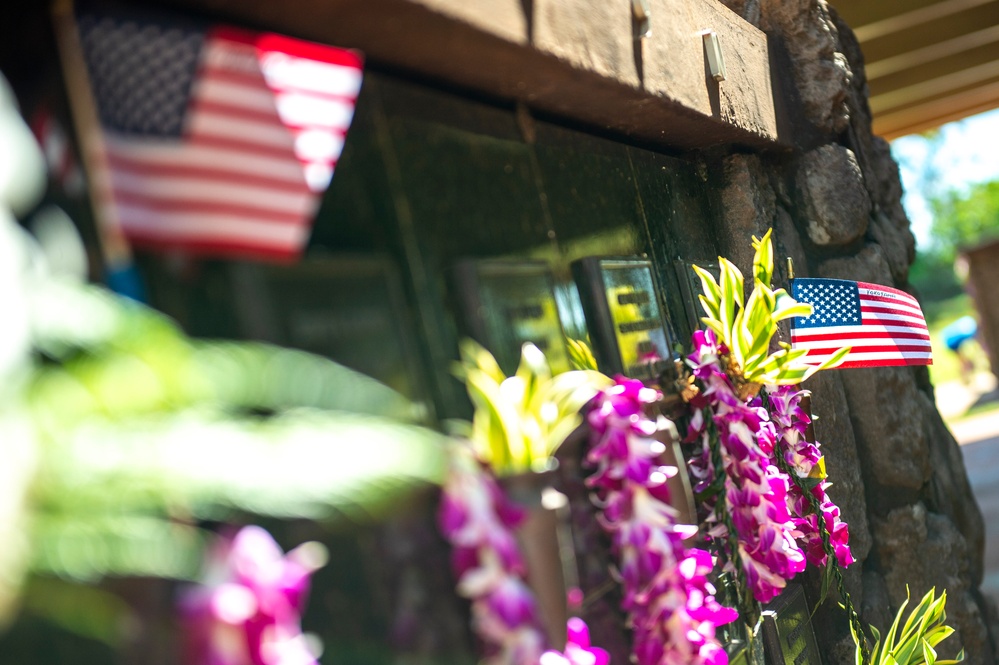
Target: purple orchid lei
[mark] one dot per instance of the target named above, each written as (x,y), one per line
(248,610)
(752,497)
(479,520)
(801,456)
(577,648)
(669,601)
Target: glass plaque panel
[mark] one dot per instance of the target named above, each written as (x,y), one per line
(787,630)
(622,311)
(504,304)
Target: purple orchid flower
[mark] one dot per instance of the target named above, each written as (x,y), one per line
(756,491)
(791,422)
(248,610)
(670,603)
(577,648)
(478,520)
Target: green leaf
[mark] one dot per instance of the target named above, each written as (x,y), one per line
(763,260)
(835,359)
(580,355)
(307,464)
(497,436)
(827,576)
(929,655)
(711,293)
(88,547)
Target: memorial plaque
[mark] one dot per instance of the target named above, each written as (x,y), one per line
(787,630)
(690,287)
(503,304)
(622,311)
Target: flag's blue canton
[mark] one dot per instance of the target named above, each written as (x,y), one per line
(141,72)
(835,302)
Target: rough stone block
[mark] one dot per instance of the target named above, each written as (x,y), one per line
(821,73)
(887,417)
(885,405)
(787,244)
(897,242)
(867,265)
(949,491)
(922,550)
(748,208)
(875,609)
(834,200)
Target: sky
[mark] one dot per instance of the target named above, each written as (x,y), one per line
(966,152)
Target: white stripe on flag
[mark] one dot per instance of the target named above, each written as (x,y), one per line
(214,192)
(867,356)
(305,110)
(913,322)
(893,306)
(170,154)
(884,292)
(863,342)
(286,72)
(264,134)
(804,333)
(222,91)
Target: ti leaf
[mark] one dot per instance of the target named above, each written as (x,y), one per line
(747,326)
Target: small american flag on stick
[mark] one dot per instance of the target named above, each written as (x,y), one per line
(883,326)
(215,140)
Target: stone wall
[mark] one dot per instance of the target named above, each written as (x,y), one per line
(834,204)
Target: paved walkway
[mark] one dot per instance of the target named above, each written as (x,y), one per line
(979,439)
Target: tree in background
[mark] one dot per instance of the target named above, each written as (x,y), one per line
(962,219)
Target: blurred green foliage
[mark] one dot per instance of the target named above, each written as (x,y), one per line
(965,218)
(131,435)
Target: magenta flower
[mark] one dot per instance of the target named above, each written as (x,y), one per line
(755,490)
(577,648)
(791,422)
(248,610)
(479,520)
(670,603)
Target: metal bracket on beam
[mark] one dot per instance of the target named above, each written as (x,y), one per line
(643,18)
(713,52)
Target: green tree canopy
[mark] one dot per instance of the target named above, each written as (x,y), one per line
(962,219)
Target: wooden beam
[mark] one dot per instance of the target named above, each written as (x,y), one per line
(926,34)
(935,87)
(561,58)
(936,112)
(923,56)
(912,18)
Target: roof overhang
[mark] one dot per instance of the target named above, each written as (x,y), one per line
(928,61)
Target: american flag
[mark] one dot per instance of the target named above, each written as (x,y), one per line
(216,140)
(883,326)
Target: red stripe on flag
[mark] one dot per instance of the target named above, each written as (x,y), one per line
(890,310)
(216,174)
(221,246)
(237,111)
(214,141)
(890,362)
(803,336)
(854,348)
(173,203)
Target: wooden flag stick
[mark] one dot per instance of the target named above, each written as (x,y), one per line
(113,246)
